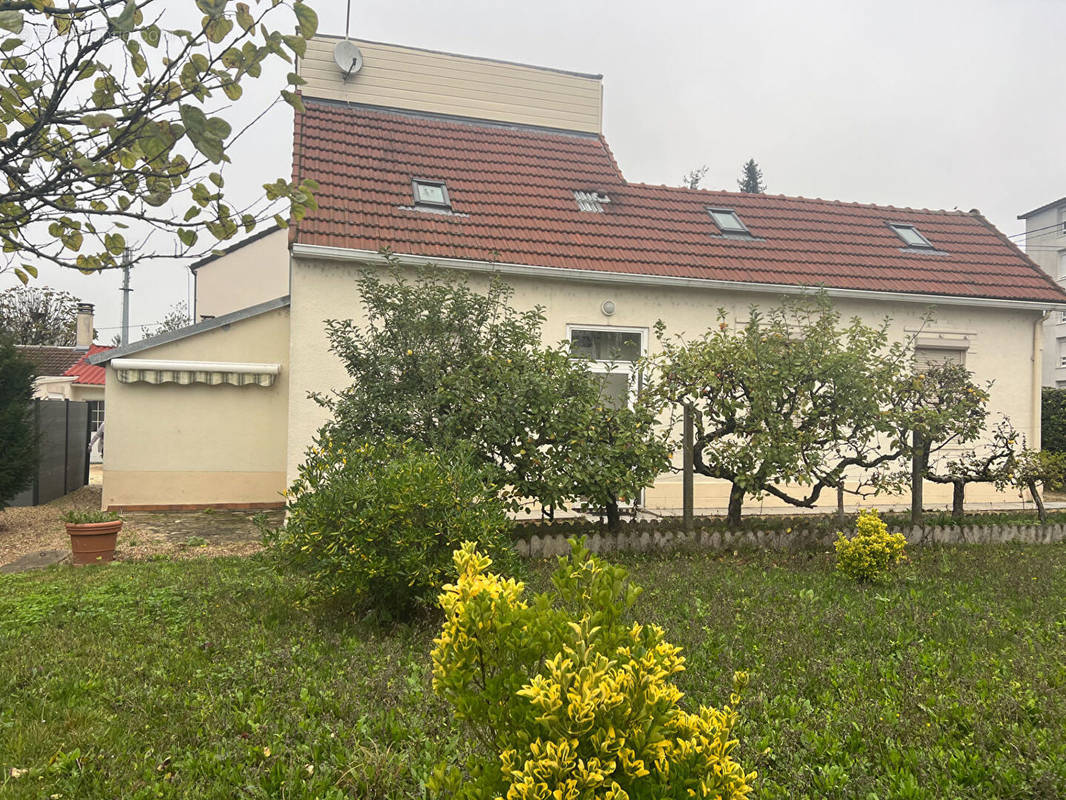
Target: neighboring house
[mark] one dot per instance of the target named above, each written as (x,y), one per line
(1045,244)
(64,373)
(486,167)
(245,274)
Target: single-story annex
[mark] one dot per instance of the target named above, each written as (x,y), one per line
(491,167)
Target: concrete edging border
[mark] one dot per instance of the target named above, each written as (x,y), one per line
(555,544)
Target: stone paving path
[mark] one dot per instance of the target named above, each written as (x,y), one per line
(39,559)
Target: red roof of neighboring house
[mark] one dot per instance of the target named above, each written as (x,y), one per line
(512,194)
(86,373)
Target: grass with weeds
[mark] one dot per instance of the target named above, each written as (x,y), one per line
(208,679)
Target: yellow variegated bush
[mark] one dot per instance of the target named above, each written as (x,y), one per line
(872,551)
(565,699)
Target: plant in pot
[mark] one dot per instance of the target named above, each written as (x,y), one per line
(92,535)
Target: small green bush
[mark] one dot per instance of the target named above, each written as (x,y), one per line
(872,551)
(1053,420)
(75,517)
(567,698)
(375,525)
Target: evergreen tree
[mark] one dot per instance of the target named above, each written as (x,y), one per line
(751,178)
(18,440)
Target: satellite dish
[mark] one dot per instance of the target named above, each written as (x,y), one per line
(348,57)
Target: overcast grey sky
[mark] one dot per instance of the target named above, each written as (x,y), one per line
(926,104)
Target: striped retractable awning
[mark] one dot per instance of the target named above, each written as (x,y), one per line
(185,373)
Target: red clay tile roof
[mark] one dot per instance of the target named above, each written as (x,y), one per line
(86,373)
(512,193)
(50,361)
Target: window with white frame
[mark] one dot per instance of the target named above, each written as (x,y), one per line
(1062,265)
(96,415)
(612,352)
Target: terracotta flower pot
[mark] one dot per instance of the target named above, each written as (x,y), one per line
(93,542)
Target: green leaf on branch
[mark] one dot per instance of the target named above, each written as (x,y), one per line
(97,121)
(125,21)
(11,21)
(306,19)
(294,100)
(115,243)
(217,28)
(297,44)
(244,18)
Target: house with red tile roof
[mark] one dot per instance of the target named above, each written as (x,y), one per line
(493,168)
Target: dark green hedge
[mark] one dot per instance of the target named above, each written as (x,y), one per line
(1053,420)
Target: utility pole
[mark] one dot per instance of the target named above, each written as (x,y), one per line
(125,336)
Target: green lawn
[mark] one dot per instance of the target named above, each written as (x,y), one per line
(205,679)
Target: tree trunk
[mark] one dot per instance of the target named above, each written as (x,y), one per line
(840,501)
(736,502)
(958,499)
(614,517)
(686,478)
(1040,510)
(917,476)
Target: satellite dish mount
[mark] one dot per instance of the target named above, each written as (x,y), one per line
(348,57)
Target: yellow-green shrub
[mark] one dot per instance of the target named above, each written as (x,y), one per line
(564,698)
(872,551)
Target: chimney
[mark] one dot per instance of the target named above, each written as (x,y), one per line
(85,326)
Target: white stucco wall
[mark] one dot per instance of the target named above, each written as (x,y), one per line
(197,445)
(1000,346)
(1046,245)
(62,388)
(251,274)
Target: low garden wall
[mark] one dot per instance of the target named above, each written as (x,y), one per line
(640,537)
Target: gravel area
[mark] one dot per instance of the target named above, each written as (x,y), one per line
(186,534)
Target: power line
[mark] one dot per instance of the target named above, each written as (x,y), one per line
(117,327)
(1034,230)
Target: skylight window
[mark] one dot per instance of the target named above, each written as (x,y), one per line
(727,221)
(431,193)
(910,235)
